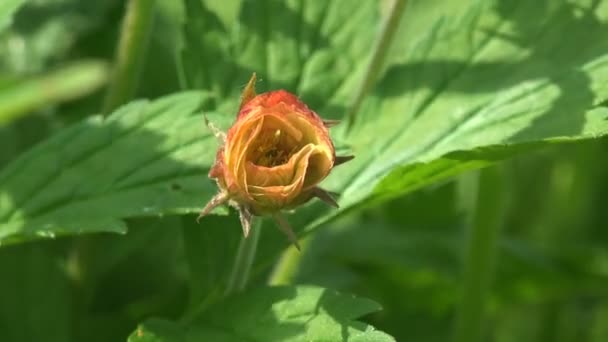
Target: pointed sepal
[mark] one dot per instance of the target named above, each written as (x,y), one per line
(216,201)
(325,196)
(245,217)
(221,136)
(286,228)
(249,91)
(330,123)
(342,159)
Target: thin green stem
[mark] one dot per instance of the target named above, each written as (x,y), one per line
(288,265)
(244,259)
(487,220)
(130,53)
(377,61)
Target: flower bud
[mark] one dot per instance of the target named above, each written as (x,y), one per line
(272,158)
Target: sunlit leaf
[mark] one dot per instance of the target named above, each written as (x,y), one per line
(147,158)
(272,314)
(316,49)
(475,90)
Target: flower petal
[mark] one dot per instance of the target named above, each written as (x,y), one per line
(278,196)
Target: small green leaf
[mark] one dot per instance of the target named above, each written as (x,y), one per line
(147,158)
(289,314)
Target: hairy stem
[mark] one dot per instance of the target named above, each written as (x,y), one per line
(130,53)
(244,259)
(487,209)
(378,55)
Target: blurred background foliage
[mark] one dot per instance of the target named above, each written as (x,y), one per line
(551,274)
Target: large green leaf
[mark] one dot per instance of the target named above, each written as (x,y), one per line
(474,83)
(291,314)
(316,49)
(473,90)
(476,89)
(148,158)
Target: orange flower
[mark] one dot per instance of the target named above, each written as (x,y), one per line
(272,158)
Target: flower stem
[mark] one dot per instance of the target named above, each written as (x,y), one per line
(288,265)
(378,55)
(130,53)
(244,259)
(487,209)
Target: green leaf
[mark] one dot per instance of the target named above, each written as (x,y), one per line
(473,84)
(316,49)
(147,158)
(7,9)
(302,313)
(475,90)
(21,97)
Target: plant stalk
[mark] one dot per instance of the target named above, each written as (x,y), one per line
(130,53)
(378,56)
(244,259)
(288,265)
(484,228)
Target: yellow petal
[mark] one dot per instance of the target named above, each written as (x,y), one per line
(277,196)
